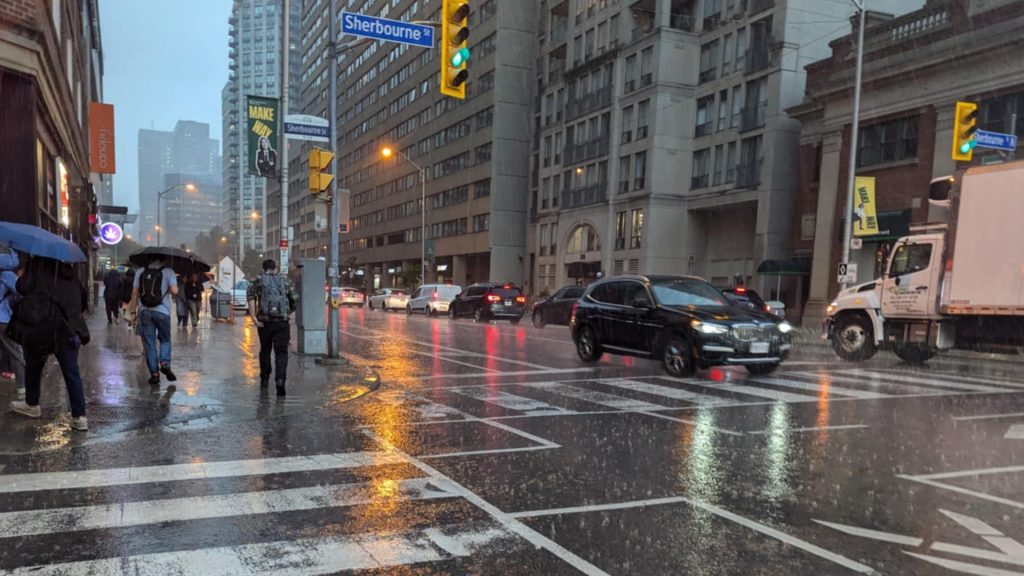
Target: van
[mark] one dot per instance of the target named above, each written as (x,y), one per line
(432,299)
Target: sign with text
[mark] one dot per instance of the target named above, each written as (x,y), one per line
(996,140)
(865,220)
(389,30)
(262,115)
(847,273)
(101,138)
(306,127)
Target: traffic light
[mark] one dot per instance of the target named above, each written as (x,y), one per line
(965,124)
(319,160)
(454,51)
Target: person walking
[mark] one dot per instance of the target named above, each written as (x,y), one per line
(150,309)
(112,295)
(194,296)
(11,350)
(181,304)
(50,319)
(271,300)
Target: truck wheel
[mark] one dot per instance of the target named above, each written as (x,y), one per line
(913,353)
(854,338)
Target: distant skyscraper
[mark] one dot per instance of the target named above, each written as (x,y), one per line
(255,51)
(188,149)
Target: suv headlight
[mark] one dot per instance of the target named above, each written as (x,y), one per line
(706,328)
(785,327)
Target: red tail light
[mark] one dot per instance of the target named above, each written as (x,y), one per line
(741,290)
(767,308)
(493,298)
(436,295)
(521,299)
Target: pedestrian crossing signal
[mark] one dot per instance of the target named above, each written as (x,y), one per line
(965,125)
(454,51)
(319,160)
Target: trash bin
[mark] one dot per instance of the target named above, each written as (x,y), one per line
(220,305)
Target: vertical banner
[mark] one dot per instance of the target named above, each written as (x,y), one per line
(262,135)
(865,219)
(101,138)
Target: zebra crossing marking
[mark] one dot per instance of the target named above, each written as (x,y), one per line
(925,381)
(864,395)
(511,401)
(669,392)
(776,395)
(594,396)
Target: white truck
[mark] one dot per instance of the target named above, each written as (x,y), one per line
(952,284)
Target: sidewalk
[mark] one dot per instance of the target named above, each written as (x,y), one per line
(217,365)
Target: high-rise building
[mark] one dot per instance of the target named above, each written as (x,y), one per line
(473,153)
(255,49)
(191,209)
(662,145)
(188,149)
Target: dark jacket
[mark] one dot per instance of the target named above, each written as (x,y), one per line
(193,291)
(113,283)
(64,288)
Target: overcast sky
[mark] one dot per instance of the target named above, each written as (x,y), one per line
(164,61)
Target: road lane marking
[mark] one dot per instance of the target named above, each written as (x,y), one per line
(873,534)
(69,479)
(290,557)
(976,553)
(965,473)
(511,401)
(776,395)
(465,353)
(690,422)
(535,538)
(963,567)
(966,491)
(668,392)
(910,390)
(485,452)
(893,377)
(1015,432)
(598,507)
(811,429)
(1007,545)
(503,374)
(594,397)
(498,425)
(819,387)
(990,416)
(454,361)
(125,514)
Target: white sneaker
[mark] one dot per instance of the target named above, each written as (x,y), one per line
(22,407)
(21,392)
(80,424)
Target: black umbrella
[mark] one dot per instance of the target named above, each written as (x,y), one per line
(179,260)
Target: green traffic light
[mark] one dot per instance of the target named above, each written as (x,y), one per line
(967,146)
(460,56)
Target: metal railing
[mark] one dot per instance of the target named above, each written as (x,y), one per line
(752,117)
(699,182)
(705,129)
(646,79)
(590,102)
(683,22)
(749,175)
(757,58)
(586,150)
(584,196)
(757,6)
(707,75)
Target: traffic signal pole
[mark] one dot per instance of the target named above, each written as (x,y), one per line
(333,321)
(283,146)
(854,129)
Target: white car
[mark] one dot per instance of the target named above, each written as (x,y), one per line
(352,297)
(239,294)
(389,299)
(432,299)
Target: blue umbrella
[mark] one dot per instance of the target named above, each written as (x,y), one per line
(35,241)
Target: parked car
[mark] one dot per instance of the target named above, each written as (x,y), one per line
(239,294)
(487,301)
(432,299)
(746,297)
(389,299)
(682,320)
(352,297)
(557,308)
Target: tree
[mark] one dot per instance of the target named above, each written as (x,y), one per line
(209,246)
(252,264)
(410,276)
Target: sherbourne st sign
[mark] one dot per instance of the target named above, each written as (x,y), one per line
(385,29)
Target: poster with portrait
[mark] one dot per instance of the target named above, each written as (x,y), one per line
(262,135)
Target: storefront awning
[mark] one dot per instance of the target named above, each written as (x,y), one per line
(787,267)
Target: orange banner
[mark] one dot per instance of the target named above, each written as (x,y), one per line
(101,138)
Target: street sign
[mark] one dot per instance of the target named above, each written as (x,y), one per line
(388,30)
(847,273)
(111,234)
(306,127)
(996,140)
(284,243)
(345,198)
(856,243)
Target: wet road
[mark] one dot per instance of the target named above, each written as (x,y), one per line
(490,449)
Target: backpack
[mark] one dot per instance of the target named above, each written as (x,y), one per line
(274,304)
(37,322)
(151,287)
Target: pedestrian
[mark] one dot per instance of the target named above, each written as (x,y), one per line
(50,319)
(150,308)
(127,280)
(12,354)
(194,295)
(112,296)
(271,300)
(181,304)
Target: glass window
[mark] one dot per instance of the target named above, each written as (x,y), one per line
(910,258)
(620,230)
(687,292)
(637,228)
(891,141)
(639,170)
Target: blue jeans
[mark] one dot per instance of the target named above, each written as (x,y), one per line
(155,326)
(67,357)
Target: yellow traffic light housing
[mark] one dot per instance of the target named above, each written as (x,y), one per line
(965,124)
(454,51)
(319,160)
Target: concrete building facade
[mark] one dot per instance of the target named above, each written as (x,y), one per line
(916,66)
(186,214)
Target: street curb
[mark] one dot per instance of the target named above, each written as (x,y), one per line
(813,337)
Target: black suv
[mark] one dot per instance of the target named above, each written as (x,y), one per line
(487,301)
(557,308)
(683,320)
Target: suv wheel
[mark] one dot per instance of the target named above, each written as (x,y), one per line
(538,319)
(451,313)
(430,311)
(479,316)
(676,357)
(588,348)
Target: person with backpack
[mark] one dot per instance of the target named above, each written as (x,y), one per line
(10,268)
(50,319)
(152,291)
(271,301)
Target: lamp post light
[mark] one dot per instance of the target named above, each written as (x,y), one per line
(388,153)
(160,196)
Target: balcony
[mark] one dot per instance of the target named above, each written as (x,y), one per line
(758,6)
(641,132)
(683,22)
(584,196)
(699,182)
(587,150)
(707,75)
(705,129)
(640,32)
(589,103)
(711,22)
(624,187)
(627,136)
(757,59)
(555,74)
(752,117)
(748,175)
(630,85)
(646,79)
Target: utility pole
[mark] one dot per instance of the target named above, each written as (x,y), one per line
(286,44)
(333,335)
(854,129)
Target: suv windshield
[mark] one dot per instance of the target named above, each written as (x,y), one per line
(686,292)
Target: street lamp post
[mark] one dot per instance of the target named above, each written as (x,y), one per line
(160,196)
(388,153)
(854,129)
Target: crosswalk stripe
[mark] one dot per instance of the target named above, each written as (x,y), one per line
(511,401)
(302,557)
(818,387)
(669,392)
(904,389)
(220,469)
(923,381)
(594,397)
(124,514)
(776,395)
